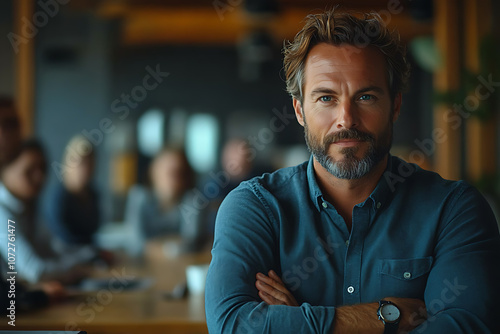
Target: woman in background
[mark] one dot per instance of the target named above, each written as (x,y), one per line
(73,207)
(167,207)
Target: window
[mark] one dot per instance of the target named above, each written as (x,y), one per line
(150,132)
(202,137)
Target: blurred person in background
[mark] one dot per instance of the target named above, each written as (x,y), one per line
(237,162)
(22,180)
(73,210)
(73,214)
(27,297)
(10,131)
(168,206)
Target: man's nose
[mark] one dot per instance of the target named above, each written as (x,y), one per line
(347,116)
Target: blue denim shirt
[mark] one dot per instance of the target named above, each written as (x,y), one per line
(416,236)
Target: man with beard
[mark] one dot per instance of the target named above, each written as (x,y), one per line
(354,240)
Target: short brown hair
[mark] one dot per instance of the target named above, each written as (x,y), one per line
(343,28)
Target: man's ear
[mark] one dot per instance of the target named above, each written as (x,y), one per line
(298,111)
(398,101)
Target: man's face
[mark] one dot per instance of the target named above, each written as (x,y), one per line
(10,134)
(347,111)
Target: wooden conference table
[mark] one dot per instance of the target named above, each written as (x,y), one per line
(116,310)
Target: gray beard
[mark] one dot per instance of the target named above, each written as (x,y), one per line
(351,167)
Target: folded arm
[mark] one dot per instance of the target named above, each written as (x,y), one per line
(245,243)
(462,291)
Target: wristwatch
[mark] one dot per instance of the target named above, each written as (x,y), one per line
(389,314)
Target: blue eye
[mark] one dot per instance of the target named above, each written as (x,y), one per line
(326,99)
(366,97)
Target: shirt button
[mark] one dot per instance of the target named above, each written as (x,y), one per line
(407,275)
(350,289)
(347,243)
(379,205)
(325,205)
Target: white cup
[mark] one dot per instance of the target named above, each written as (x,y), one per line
(196,276)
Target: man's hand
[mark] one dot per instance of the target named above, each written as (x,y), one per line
(273,291)
(362,318)
(54,290)
(108,257)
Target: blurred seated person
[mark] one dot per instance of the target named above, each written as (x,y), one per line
(73,207)
(237,166)
(26,297)
(21,182)
(10,131)
(167,207)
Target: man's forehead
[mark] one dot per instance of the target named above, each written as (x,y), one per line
(345,55)
(326,60)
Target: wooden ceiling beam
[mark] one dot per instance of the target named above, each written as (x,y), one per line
(143,26)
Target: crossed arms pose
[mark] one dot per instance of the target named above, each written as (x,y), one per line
(358,318)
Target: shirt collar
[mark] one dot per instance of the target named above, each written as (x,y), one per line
(379,196)
(381,193)
(9,201)
(314,190)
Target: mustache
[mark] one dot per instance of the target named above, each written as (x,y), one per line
(348,134)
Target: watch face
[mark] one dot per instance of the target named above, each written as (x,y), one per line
(389,313)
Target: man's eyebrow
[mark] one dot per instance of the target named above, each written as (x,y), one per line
(323,90)
(375,89)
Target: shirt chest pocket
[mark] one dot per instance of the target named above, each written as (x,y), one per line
(404,277)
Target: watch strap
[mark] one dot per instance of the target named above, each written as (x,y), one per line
(391,328)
